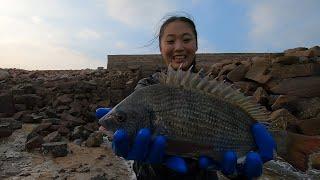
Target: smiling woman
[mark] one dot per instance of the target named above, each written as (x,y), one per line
(178,42)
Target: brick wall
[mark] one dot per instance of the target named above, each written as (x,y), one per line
(151,62)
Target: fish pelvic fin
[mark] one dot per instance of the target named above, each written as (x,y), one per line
(298,149)
(217,89)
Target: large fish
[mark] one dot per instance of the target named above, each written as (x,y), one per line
(202,117)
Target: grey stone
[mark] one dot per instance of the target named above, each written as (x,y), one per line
(57,149)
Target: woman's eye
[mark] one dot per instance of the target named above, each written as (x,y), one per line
(186,40)
(170,42)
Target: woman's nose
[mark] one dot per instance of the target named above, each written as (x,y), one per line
(178,46)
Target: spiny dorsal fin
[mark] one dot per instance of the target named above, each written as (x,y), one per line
(218,89)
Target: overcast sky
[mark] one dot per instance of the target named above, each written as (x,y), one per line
(79,34)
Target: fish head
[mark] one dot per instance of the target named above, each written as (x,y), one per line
(124,116)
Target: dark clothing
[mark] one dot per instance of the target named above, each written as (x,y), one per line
(160,171)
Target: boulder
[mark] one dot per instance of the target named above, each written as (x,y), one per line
(286,60)
(300,86)
(246,87)
(310,127)
(238,73)
(57,149)
(95,139)
(52,137)
(258,70)
(7,103)
(5,129)
(282,118)
(34,142)
(295,70)
(261,96)
(4,75)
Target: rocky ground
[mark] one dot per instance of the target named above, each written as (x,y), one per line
(48,128)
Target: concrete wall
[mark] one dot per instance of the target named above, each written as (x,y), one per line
(151,62)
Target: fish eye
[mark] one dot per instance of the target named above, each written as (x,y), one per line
(121,117)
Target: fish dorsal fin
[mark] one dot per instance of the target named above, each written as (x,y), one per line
(217,89)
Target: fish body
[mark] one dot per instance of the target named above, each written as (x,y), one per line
(198,116)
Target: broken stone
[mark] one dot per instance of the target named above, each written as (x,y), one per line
(95,139)
(305,108)
(80,132)
(281,118)
(286,60)
(296,70)
(53,121)
(5,129)
(258,70)
(34,142)
(6,103)
(226,69)
(310,127)
(64,131)
(63,100)
(246,87)
(57,149)
(41,127)
(75,121)
(4,75)
(261,96)
(52,137)
(14,124)
(30,100)
(299,86)
(282,101)
(238,73)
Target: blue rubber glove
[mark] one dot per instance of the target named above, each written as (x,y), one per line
(145,148)
(253,163)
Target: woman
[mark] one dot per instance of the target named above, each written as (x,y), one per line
(178,45)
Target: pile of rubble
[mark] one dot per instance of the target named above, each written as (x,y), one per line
(288,85)
(61,103)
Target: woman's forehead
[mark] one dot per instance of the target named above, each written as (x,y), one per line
(178,28)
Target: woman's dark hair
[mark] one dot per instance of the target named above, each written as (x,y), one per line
(178,18)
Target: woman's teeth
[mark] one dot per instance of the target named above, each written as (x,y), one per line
(179,58)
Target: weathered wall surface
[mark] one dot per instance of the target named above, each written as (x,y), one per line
(152,62)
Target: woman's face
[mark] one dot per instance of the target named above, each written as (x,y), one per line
(178,45)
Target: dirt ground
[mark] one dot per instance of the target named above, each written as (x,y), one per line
(81,162)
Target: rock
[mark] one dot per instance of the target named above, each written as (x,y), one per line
(315,50)
(216,68)
(300,86)
(258,70)
(282,101)
(34,142)
(305,108)
(64,131)
(6,103)
(20,107)
(246,87)
(41,127)
(91,127)
(57,149)
(261,96)
(31,118)
(310,127)
(238,73)
(52,137)
(63,100)
(295,70)
(14,124)
(80,132)
(4,75)
(30,100)
(286,60)
(281,118)
(302,52)
(314,160)
(5,129)
(95,139)
(73,120)
(295,49)
(226,69)
(53,121)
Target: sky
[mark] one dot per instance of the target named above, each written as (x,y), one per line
(79,34)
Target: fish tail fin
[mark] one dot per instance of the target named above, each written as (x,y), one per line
(299,148)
